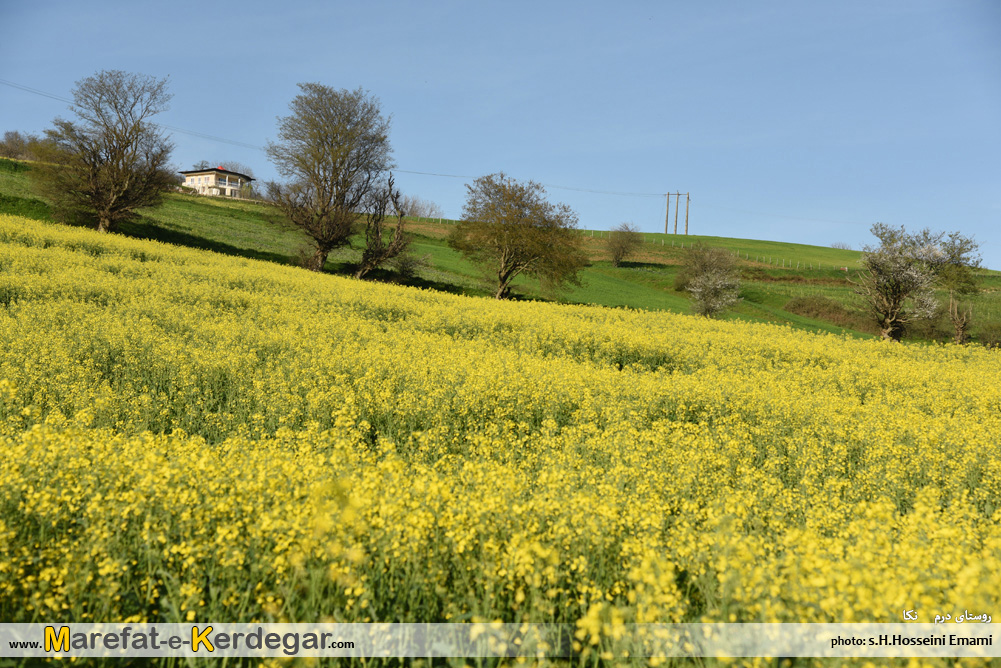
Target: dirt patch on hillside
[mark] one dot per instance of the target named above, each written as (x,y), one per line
(756,274)
(834,312)
(433,230)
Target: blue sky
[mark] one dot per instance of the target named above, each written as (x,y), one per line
(792,121)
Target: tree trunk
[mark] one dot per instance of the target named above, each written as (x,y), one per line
(504,277)
(960,320)
(893,331)
(319,259)
(103,224)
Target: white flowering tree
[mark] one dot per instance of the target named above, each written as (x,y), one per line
(711,278)
(898,277)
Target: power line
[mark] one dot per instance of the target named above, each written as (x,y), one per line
(241,144)
(606,192)
(233,142)
(450,176)
(775,215)
(547,185)
(35,91)
(223,140)
(213,137)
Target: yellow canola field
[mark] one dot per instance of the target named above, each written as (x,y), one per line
(189,436)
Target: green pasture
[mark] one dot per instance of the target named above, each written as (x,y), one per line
(802,286)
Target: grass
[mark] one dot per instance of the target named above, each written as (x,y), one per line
(228,227)
(762,253)
(14,178)
(15,192)
(820,307)
(802,286)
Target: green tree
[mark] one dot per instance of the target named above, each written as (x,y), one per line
(623,241)
(112,160)
(333,150)
(510,229)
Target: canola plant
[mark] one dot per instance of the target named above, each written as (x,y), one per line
(190,436)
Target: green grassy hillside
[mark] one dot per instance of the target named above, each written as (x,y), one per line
(803,286)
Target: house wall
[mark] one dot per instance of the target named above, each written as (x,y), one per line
(212,183)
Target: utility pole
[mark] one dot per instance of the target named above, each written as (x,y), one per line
(677,207)
(677,202)
(688,200)
(667,216)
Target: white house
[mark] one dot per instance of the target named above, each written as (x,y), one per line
(216,181)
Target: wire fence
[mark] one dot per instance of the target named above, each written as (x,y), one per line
(442,221)
(771,260)
(665,240)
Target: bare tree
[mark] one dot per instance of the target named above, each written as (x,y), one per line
(841,245)
(113,159)
(898,277)
(238,167)
(252,192)
(333,149)
(228,165)
(961,319)
(18,146)
(381,202)
(421,208)
(623,241)
(509,228)
(711,278)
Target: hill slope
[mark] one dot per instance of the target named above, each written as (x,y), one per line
(213,438)
(799,285)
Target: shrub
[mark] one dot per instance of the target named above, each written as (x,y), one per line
(937,327)
(990,335)
(623,241)
(407,265)
(711,279)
